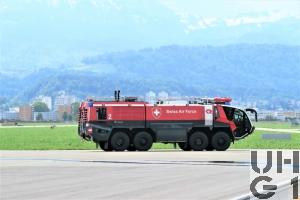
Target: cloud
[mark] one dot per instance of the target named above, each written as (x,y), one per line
(231,8)
(272,17)
(72,2)
(196,15)
(3,6)
(195,22)
(8,22)
(200,24)
(54,2)
(106,4)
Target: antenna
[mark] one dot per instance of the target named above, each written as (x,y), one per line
(116,95)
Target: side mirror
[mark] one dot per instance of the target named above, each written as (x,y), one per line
(252,111)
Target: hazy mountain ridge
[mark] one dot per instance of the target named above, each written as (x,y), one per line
(66,34)
(240,71)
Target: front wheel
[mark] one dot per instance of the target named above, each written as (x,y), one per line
(119,141)
(221,141)
(105,146)
(198,141)
(184,146)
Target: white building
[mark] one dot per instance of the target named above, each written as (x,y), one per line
(64,99)
(46,116)
(45,99)
(276,115)
(280,116)
(9,115)
(150,97)
(163,96)
(264,114)
(14,109)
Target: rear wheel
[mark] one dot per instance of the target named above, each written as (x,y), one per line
(105,146)
(221,141)
(119,141)
(143,141)
(198,141)
(184,146)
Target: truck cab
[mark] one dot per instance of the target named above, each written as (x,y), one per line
(241,120)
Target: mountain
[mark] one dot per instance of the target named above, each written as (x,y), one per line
(240,71)
(37,34)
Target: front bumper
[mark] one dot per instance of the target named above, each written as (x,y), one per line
(247,134)
(100,135)
(252,130)
(96,132)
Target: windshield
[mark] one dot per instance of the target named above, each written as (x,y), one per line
(238,117)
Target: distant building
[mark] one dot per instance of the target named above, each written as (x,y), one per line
(280,116)
(61,109)
(150,97)
(265,114)
(298,115)
(25,113)
(9,115)
(45,99)
(14,109)
(63,99)
(277,115)
(163,96)
(290,114)
(45,116)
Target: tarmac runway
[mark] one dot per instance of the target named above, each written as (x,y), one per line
(123,175)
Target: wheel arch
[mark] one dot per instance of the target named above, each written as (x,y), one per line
(224,129)
(205,130)
(114,130)
(148,130)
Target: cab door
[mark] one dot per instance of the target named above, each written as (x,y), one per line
(242,122)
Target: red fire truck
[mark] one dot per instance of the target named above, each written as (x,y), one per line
(128,124)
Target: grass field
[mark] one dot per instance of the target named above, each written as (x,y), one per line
(255,141)
(44,138)
(276,124)
(40,123)
(260,124)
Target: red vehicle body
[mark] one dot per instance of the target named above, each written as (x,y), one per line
(135,125)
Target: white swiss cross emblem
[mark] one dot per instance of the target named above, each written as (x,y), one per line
(156,112)
(209,111)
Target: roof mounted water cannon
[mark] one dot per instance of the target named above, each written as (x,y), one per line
(130,99)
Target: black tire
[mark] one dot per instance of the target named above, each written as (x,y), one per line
(209,148)
(184,146)
(119,141)
(131,148)
(198,141)
(105,146)
(143,141)
(221,141)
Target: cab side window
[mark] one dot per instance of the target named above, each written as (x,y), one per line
(229,112)
(102,113)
